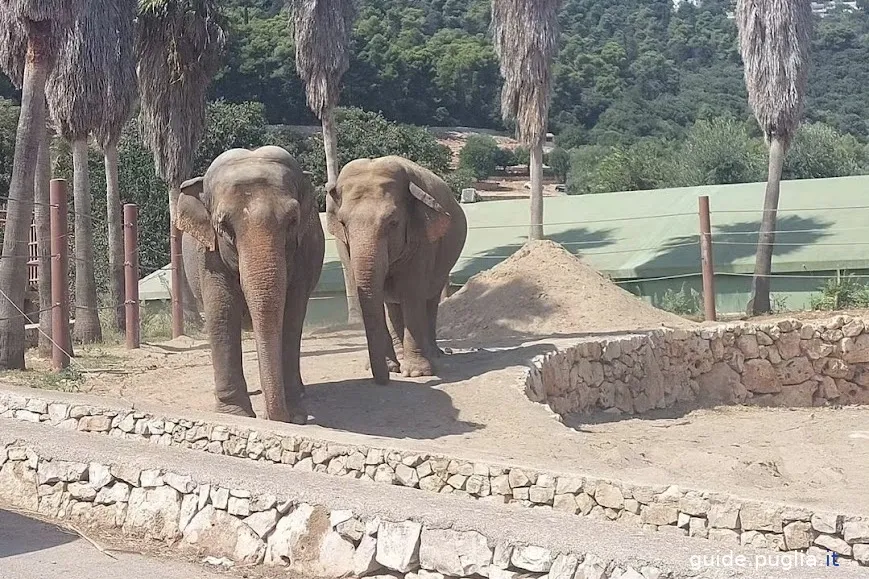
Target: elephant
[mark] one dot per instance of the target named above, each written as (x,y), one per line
(402,230)
(253,248)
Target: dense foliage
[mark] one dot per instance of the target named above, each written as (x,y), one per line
(625,70)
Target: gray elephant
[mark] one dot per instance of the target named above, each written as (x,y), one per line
(253,248)
(403,231)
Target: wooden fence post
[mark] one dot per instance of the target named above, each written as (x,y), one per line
(706,260)
(60,334)
(131,274)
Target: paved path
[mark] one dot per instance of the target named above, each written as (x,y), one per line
(31,549)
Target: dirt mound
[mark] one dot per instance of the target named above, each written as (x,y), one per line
(543,290)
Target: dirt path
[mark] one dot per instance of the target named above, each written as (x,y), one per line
(476,410)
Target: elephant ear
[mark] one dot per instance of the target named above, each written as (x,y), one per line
(192,217)
(332,224)
(437,220)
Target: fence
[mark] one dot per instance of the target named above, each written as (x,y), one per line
(60,319)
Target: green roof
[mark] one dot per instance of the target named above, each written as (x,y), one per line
(823,224)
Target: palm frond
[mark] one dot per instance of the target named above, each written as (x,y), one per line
(13,47)
(93,86)
(774,41)
(322,37)
(526,36)
(179,45)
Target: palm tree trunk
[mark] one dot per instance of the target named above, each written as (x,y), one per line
(760,283)
(330,144)
(177,266)
(13,265)
(114,223)
(536,170)
(87,319)
(42,217)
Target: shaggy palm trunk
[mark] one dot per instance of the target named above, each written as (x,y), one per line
(87,319)
(42,217)
(114,222)
(536,170)
(13,265)
(760,283)
(354,314)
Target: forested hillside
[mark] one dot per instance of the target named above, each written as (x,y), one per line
(626,68)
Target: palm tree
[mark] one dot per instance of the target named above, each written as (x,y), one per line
(86,94)
(45,24)
(525,34)
(774,40)
(322,38)
(178,48)
(119,99)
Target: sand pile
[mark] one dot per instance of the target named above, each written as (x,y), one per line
(543,290)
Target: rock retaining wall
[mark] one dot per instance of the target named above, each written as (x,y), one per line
(787,363)
(664,509)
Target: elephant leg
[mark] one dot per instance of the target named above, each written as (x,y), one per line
(395,324)
(415,362)
(294,319)
(431,307)
(391,337)
(222,303)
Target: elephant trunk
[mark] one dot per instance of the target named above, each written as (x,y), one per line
(369,261)
(263,273)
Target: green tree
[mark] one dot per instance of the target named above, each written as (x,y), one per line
(367,134)
(819,151)
(479,156)
(559,160)
(719,151)
(8,122)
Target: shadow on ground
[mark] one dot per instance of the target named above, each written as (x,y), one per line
(20,534)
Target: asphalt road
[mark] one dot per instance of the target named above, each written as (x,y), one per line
(32,549)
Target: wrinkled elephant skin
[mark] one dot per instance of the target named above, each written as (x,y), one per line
(253,245)
(403,231)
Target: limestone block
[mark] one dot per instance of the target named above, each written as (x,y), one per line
(263,522)
(398,545)
(834,544)
(224,535)
(758,517)
(119,492)
(798,535)
(658,514)
(760,377)
(856,531)
(724,515)
(826,523)
(153,512)
(533,558)
(456,553)
(610,496)
(364,561)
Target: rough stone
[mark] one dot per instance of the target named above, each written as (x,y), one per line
(724,515)
(566,503)
(188,511)
(224,535)
(609,496)
(564,567)
(398,545)
(592,567)
(789,345)
(834,544)
(95,424)
(220,498)
(826,523)
(856,350)
(517,478)
(81,491)
(502,555)
(568,485)
(153,512)
(757,517)
(52,471)
(18,486)
(760,377)
(456,553)
(540,495)
(238,506)
(657,514)
(795,371)
(128,474)
(585,503)
(856,531)
(151,478)
(364,561)
(298,536)
(861,553)
(721,385)
(697,527)
(262,522)
(181,483)
(798,535)
(724,535)
(116,493)
(406,475)
(532,558)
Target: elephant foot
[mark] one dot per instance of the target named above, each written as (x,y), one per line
(416,367)
(235,410)
(298,415)
(391,365)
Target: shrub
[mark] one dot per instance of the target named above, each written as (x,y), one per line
(559,160)
(840,293)
(523,155)
(458,180)
(479,156)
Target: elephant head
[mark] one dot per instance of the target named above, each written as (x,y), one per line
(251,208)
(381,210)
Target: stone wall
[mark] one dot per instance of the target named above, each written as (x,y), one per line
(253,529)
(787,363)
(664,509)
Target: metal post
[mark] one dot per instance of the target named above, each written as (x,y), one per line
(59,275)
(177,292)
(131,274)
(706,260)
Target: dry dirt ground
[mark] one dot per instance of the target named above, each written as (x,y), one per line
(475,407)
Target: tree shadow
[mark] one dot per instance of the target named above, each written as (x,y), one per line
(20,534)
(574,240)
(733,242)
